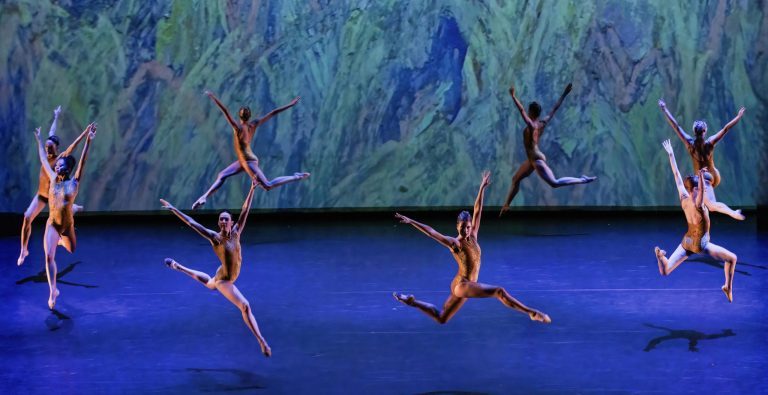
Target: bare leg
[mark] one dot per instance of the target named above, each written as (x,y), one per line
(230,291)
(68,240)
(666,266)
(713,205)
(276,182)
(35,207)
(729,258)
(471,289)
(199,276)
(450,307)
(522,172)
(546,174)
(228,171)
(50,242)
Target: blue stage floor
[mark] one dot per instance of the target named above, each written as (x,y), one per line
(321,293)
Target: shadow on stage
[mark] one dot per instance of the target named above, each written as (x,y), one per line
(219,380)
(41,277)
(692,336)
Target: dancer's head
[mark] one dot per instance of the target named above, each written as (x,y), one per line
(225,221)
(464,223)
(700,128)
(63,166)
(534,110)
(690,182)
(52,144)
(244,113)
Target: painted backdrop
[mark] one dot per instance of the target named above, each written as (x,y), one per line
(403,103)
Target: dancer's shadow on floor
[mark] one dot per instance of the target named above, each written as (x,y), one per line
(709,261)
(58,320)
(452,393)
(692,336)
(42,278)
(245,380)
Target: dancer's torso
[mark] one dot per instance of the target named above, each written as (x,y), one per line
(531,143)
(467,255)
(703,155)
(243,139)
(697,236)
(44,182)
(61,196)
(228,251)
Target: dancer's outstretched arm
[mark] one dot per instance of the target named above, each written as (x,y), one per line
(200,229)
(246,208)
(84,155)
(719,135)
(700,197)
(56,113)
(77,141)
(43,158)
(673,123)
(559,102)
(520,107)
(274,112)
(675,171)
(478,211)
(427,230)
(223,109)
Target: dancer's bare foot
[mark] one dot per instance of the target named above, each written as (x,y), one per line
(739,216)
(265,349)
(199,203)
(728,293)
(588,179)
(504,210)
(22,257)
(301,176)
(171,263)
(403,298)
(660,254)
(76,208)
(539,316)
(52,298)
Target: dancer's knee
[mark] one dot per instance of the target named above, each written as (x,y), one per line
(245,307)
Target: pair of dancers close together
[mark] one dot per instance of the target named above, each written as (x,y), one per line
(62,190)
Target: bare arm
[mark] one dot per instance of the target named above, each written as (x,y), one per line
(84,155)
(675,171)
(79,138)
(223,110)
(427,230)
(200,229)
(56,113)
(559,102)
(478,211)
(520,107)
(246,208)
(276,111)
(719,135)
(673,123)
(700,197)
(43,157)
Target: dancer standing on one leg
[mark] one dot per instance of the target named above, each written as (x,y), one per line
(226,245)
(466,251)
(702,154)
(246,159)
(39,201)
(696,239)
(60,228)
(534,128)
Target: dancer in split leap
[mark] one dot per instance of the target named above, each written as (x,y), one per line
(466,250)
(534,128)
(41,199)
(62,191)
(696,239)
(226,246)
(247,161)
(702,153)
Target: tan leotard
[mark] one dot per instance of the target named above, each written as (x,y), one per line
(697,237)
(467,255)
(702,154)
(531,143)
(61,197)
(243,146)
(229,248)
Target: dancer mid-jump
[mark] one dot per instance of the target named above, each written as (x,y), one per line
(246,159)
(226,245)
(466,250)
(41,199)
(62,191)
(534,128)
(702,153)
(696,239)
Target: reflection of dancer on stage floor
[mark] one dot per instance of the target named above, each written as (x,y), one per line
(63,189)
(246,159)
(534,128)
(466,250)
(702,154)
(226,245)
(696,239)
(39,201)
